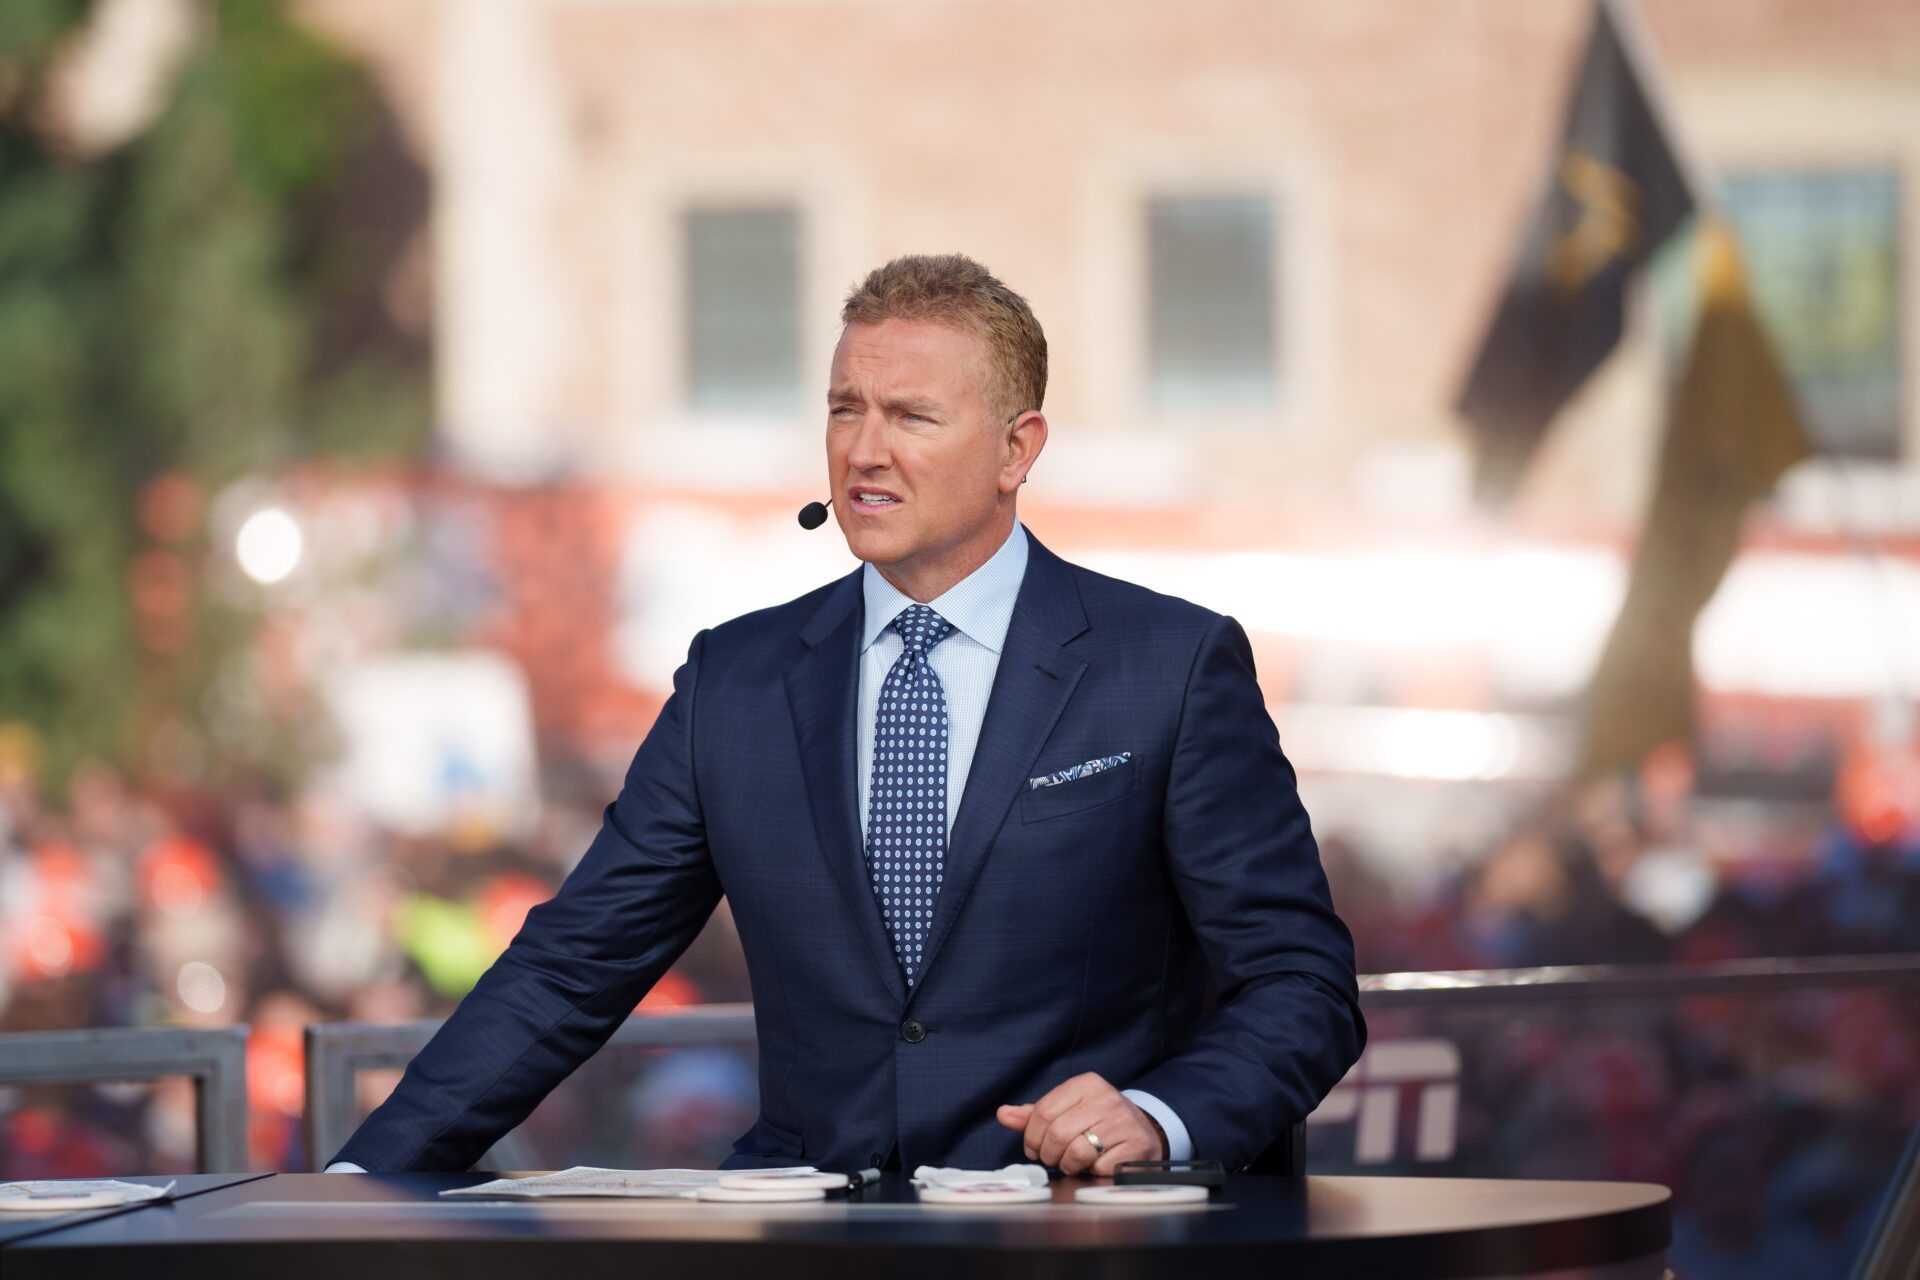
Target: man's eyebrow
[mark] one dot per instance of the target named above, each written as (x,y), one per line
(914,404)
(897,404)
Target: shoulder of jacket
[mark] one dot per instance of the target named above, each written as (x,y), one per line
(776,625)
(1109,600)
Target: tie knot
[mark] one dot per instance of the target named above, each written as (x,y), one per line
(921,628)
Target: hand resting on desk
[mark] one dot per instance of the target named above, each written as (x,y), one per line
(1054,1129)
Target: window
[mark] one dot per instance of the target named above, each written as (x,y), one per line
(743,309)
(1823,251)
(1211,312)
(1822,255)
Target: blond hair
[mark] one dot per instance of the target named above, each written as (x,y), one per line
(952,288)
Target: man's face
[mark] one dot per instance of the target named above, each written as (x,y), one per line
(923,471)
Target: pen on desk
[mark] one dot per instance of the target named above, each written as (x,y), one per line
(858,1182)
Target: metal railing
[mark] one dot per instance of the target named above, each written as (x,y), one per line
(214,1058)
(1465,988)
(338,1051)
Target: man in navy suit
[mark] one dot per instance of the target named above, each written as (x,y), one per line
(991,827)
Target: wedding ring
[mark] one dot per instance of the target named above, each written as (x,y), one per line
(1093,1140)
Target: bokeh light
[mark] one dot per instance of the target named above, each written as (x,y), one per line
(269,545)
(201,987)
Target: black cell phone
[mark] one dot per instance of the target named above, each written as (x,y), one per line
(1185,1173)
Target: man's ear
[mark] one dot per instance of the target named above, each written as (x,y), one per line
(1026,437)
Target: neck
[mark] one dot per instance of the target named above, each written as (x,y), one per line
(924,583)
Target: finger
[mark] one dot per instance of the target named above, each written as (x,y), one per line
(1117,1142)
(1064,1146)
(1058,1099)
(1086,1089)
(1079,1155)
(1129,1148)
(1014,1116)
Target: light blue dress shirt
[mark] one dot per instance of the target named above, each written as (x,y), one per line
(980,607)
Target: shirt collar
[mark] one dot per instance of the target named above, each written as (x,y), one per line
(980,604)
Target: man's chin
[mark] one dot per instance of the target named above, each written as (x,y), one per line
(878,550)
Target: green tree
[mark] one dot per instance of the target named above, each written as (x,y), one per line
(192,304)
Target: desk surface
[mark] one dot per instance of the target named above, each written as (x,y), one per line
(19,1226)
(364,1226)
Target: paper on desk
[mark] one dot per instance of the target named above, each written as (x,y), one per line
(62,1195)
(585,1180)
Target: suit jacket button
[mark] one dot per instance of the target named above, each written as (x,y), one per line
(913,1031)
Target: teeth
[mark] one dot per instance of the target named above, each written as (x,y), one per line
(874,499)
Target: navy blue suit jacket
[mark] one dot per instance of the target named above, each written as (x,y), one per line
(1078,928)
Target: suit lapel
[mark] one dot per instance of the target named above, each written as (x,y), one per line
(823,690)
(1031,687)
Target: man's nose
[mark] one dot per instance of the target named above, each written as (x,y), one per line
(868,450)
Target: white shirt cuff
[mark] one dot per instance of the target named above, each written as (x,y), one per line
(344,1166)
(1179,1142)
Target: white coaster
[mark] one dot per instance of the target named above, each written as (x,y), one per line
(757,1180)
(1140,1195)
(986,1195)
(758,1195)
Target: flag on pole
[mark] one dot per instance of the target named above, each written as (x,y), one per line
(1614,192)
(1732,431)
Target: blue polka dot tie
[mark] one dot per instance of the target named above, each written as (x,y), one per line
(907,803)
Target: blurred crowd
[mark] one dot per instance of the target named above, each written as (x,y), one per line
(122,907)
(1649,869)
(1776,1117)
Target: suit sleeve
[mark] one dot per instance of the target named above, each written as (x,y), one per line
(1244,863)
(572,974)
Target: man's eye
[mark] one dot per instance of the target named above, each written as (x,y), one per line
(841,411)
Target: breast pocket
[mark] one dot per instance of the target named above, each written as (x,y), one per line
(1089,791)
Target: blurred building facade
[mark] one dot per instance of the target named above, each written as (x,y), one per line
(1264,239)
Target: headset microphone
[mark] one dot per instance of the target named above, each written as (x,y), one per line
(814,514)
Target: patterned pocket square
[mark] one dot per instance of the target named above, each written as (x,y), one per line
(1079,771)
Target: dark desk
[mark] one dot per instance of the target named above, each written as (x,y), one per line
(370,1226)
(19,1226)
